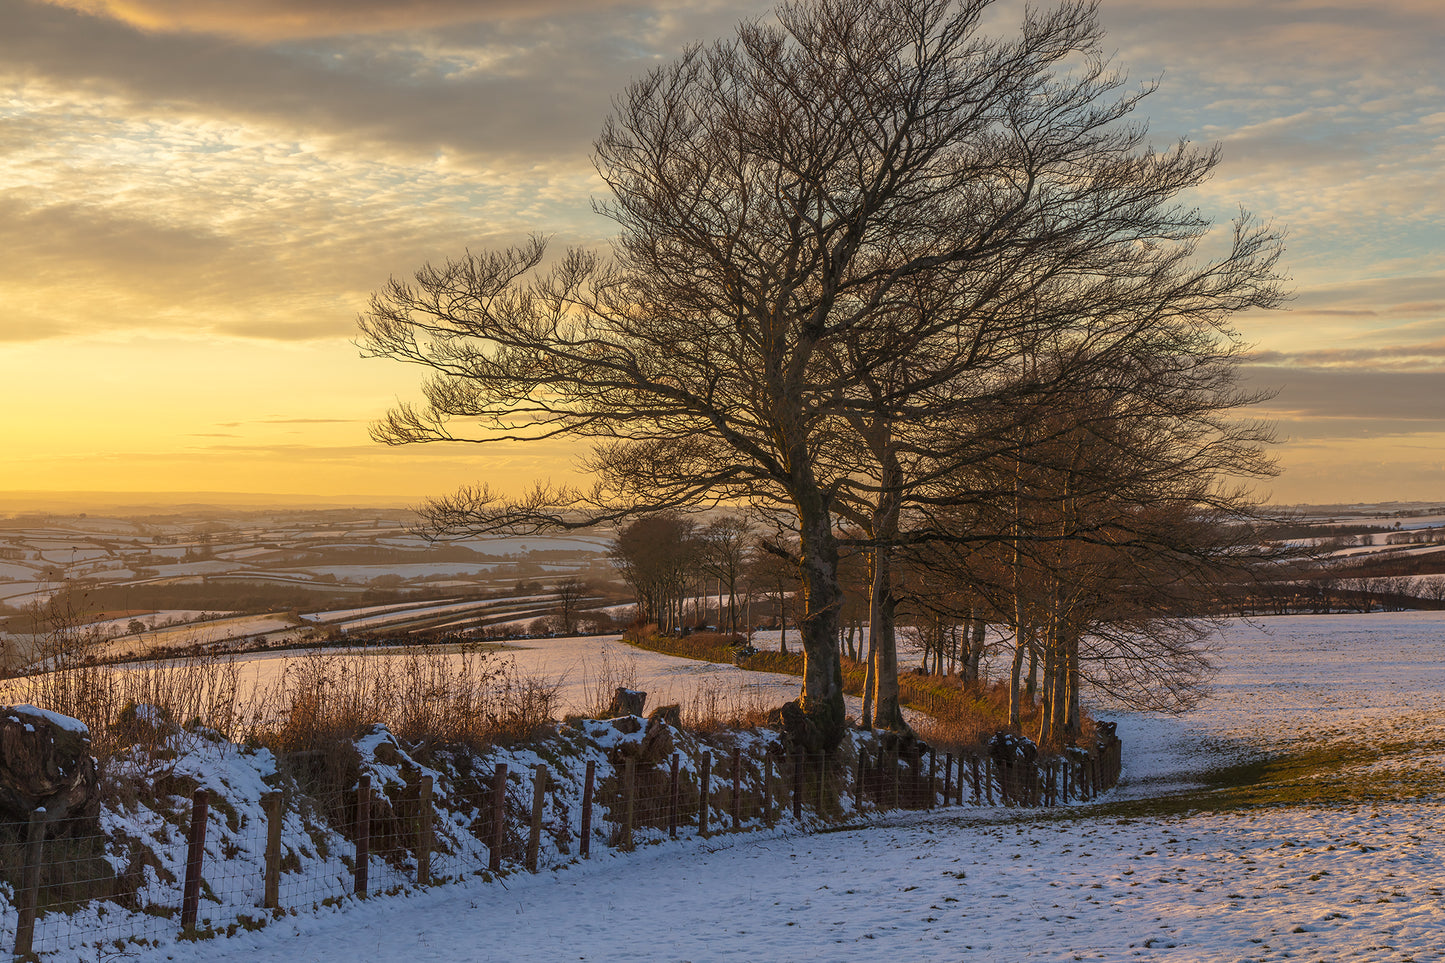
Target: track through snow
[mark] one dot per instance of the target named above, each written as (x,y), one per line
(1342,862)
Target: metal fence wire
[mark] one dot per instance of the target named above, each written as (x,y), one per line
(211,842)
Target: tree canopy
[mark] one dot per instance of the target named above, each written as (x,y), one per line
(862,220)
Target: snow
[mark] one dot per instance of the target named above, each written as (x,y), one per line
(1338,876)
(210,632)
(476,606)
(57,720)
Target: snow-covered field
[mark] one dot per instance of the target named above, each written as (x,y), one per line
(1347,865)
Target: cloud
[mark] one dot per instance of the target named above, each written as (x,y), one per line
(1340,403)
(271,20)
(1395,357)
(310,421)
(486,87)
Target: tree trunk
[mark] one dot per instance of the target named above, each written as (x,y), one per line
(975,632)
(883,644)
(868,674)
(822,699)
(1015,678)
(1073,722)
(1046,709)
(1031,687)
(882,606)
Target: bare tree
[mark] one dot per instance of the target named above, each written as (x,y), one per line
(866,187)
(571,593)
(657,555)
(725,545)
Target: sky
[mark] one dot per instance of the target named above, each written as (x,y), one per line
(198,196)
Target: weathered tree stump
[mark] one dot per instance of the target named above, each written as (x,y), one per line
(45,763)
(626,702)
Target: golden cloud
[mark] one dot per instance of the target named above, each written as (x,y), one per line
(270,20)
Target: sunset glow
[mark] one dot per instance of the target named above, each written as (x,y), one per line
(197,198)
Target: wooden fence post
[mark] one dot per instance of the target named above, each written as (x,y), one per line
(363,834)
(988,779)
(737,790)
(272,802)
(28,899)
(585,846)
(932,772)
(424,833)
(768,814)
(704,784)
(499,817)
(539,799)
(674,798)
(629,794)
(195,852)
(977,780)
(858,778)
(947,778)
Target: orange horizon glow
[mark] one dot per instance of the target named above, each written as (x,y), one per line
(197,200)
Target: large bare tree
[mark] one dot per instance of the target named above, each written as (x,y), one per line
(859,187)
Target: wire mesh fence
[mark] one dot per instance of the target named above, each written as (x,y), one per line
(209,845)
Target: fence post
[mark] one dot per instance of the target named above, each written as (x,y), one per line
(363,834)
(28,899)
(585,846)
(977,781)
(272,803)
(932,767)
(947,778)
(737,789)
(768,815)
(674,799)
(704,784)
(499,817)
(195,851)
(858,779)
(629,794)
(424,840)
(988,779)
(539,799)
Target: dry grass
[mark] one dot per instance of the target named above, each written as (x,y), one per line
(610,675)
(961,716)
(425,696)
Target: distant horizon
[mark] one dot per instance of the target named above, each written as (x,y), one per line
(20,501)
(23,501)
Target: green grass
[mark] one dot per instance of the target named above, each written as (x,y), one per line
(1325,773)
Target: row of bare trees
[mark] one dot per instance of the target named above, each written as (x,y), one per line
(905,285)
